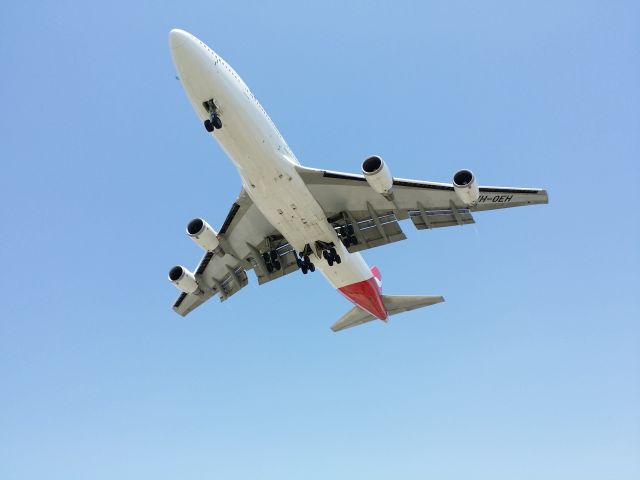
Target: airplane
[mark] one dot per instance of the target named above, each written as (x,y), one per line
(290,218)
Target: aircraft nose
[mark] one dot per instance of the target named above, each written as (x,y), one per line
(177,38)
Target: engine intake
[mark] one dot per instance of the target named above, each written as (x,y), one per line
(202,233)
(378,175)
(465,186)
(183,279)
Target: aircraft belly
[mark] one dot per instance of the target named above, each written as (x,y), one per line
(266,166)
(284,199)
(289,205)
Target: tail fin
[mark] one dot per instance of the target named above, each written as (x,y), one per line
(377,274)
(393,303)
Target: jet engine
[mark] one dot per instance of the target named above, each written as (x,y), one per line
(183,279)
(464,183)
(202,233)
(378,175)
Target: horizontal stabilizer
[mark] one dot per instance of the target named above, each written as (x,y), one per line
(403,303)
(393,303)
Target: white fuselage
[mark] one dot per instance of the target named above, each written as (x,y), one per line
(266,164)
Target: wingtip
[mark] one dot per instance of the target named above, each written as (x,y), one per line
(546,196)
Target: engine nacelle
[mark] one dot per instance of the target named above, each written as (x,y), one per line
(378,175)
(464,183)
(202,233)
(183,279)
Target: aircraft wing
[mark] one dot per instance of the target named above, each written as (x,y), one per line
(348,200)
(244,236)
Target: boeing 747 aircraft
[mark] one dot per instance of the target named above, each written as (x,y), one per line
(291,218)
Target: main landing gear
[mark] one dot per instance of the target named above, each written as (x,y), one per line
(324,250)
(303,261)
(331,256)
(329,252)
(347,235)
(213,122)
(272,261)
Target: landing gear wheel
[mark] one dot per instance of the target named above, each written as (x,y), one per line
(208,125)
(304,263)
(269,268)
(277,266)
(337,259)
(216,121)
(274,255)
(330,261)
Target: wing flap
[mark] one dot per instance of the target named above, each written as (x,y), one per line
(286,258)
(227,285)
(427,219)
(373,230)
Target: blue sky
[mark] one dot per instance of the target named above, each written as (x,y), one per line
(529,370)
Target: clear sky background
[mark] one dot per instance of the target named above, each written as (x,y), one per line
(530,370)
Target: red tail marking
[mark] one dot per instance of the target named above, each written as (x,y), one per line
(367,295)
(376,273)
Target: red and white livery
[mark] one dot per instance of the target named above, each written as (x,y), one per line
(290,218)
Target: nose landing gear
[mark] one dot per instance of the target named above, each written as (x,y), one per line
(213,122)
